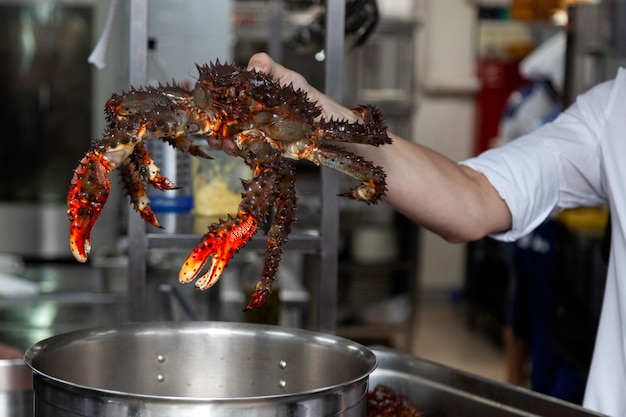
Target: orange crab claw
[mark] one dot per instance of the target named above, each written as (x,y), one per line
(162,183)
(88,193)
(220,244)
(257,299)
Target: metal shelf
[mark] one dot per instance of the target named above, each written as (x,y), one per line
(297,242)
(325,246)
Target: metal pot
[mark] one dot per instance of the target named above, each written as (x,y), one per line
(199,369)
(16,394)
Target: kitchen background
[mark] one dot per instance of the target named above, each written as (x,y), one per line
(426,63)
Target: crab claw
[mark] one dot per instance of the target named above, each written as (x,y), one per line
(220,244)
(257,298)
(88,193)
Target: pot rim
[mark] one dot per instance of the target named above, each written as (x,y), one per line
(62,339)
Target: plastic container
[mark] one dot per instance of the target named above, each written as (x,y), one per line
(217,187)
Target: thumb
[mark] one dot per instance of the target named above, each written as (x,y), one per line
(261,62)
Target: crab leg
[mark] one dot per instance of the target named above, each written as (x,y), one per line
(89,190)
(372,130)
(150,172)
(131,118)
(225,239)
(277,236)
(136,190)
(372,177)
(186,145)
(220,244)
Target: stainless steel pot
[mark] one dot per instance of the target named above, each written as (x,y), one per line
(199,369)
(16,394)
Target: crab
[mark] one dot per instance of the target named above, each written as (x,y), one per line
(270,124)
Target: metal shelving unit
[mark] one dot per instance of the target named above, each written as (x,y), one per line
(325,245)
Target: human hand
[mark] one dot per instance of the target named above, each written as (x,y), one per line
(262,62)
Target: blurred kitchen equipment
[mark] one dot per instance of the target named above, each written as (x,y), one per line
(361,20)
(11,264)
(290,299)
(596,45)
(69,297)
(46,91)
(372,244)
(12,286)
(16,394)
(199,368)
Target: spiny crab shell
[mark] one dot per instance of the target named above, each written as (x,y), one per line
(269,123)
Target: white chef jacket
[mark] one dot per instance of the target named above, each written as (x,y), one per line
(577,160)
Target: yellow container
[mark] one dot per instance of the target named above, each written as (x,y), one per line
(536,9)
(591,219)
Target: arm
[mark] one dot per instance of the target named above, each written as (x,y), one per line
(453,201)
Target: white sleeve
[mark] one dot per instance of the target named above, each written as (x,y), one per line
(557,166)
(525,175)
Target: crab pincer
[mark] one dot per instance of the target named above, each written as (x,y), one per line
(89,190)
(219,245)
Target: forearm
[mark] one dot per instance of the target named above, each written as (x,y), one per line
(453,201)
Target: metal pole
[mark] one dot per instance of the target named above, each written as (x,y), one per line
(275,44)
(137,241)
(329,270)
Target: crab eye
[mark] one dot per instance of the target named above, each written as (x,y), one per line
(162,101)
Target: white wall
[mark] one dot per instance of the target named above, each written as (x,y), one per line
(191,32)
(447,84)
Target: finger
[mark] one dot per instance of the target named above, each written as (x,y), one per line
(262,62)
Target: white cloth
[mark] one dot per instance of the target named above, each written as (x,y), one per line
(577,160)
(547,61)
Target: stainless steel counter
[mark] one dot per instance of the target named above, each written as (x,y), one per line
(440,391)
